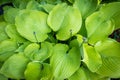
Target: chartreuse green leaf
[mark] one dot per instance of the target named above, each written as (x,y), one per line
(20,4)
(31,24)
(44,52)
(10,14)
(48,7)
(117,20)
(64,61)
(2,77)
(110,52)
(86,7)
(107,9)
(91,58)
(98,28)
(33,71)
(3,34)
(46,72)
(34,5)
(65,20)
(31,49)
(22,46)
(7,48)
(14,67)
(38,52)
(13,34)
(80,74)
(84,74)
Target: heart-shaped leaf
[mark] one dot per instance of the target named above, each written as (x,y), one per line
(33,71)
(44,52)
(10,14)
(7,48)
(91,57)
(31,49)
(38,52)
(31,24)
(98,27)
(14,67)
(117,20)
(80,74)
(110,52)
(46,72)
(64,63)
(106,9)
(86,7)
(13,34)
(65,20)
(3,34)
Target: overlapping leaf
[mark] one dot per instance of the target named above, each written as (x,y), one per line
(110,52)
(7,48)
(33,71)
(64,63)
(3,35)
(98,27)
(112,10)
(13,34)
(91,58)
(65,20)
(10,14)
(86,7)
(80,74)
(14,67)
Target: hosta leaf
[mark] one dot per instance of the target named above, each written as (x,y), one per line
(80,74)
(84,74)
(10,14)
(56,16)
(33,5)
(38,52)
(46,72)
(3,34)
(2,77)
(91,58)
(44,52)
(110,67)
(31,24)
(48,7)
(20,4)
(33,71)
(65,20)
(14,67)
(13,34)
(7,48)
(108,48)
(98,28)
(117,20)
(31,49)
(86,7)
(22,46)
(64,62)
(110,52)
(106,9)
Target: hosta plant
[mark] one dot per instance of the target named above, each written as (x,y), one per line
(59,40)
